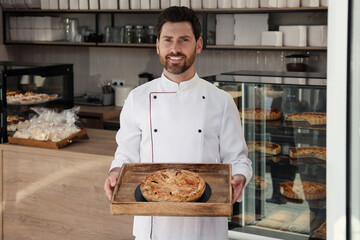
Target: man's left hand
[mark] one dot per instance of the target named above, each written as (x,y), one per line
(238,182)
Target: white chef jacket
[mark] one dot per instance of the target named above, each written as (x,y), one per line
(190,122)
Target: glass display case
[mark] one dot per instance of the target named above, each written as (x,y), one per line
(284,121)
(27,85)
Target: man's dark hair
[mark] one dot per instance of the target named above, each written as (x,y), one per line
(178,14)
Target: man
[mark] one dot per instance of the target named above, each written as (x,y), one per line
(180,118)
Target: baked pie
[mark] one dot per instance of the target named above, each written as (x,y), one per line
(265,147)
(260,114)
(305,152)
(172,185)
(313,118)
(303,190)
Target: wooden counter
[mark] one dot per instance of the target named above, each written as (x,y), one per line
(95,116)
(58,194)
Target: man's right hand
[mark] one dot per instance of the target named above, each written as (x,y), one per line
(110,182)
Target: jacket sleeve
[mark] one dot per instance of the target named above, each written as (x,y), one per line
(128,137)
(233,147)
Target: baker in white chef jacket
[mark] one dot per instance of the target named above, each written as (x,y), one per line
(180,118)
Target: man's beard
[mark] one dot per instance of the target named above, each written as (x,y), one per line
(177,68)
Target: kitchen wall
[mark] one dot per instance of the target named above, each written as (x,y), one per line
(92,65)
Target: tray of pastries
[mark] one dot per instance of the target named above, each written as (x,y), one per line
(169,189)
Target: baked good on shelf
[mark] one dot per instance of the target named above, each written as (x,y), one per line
(172,185)
(303,190)
(260,114)
(320,232)
(301,223)
(276,219)
(313,118)
(305,152)
(257,182)
(265,147)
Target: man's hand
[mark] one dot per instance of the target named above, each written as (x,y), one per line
(238,182)
(110,182)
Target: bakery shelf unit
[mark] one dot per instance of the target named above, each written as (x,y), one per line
(28,85)
(278,201)
(97,20)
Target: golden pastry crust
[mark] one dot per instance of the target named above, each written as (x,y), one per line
(265,147)
(172,185)
(260,114)
(305,152)
(313,118)
(306,190)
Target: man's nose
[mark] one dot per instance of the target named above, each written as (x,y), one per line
(175,48)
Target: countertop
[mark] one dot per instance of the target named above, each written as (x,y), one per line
(101,142)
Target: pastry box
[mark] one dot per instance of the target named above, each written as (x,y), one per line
(49,144)
(218,202)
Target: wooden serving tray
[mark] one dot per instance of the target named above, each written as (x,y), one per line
(217,175)
(48,144)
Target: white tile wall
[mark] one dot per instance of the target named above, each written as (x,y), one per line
(92,65)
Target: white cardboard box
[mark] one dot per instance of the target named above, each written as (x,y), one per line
(54,4)
(13,22)
(293,3)
(93,4)
(74,4)
(52,22)
(63,4)
(294,35)
(155,4)
(317,36)
(165,4)
(273,3)
(53,35)
(196,4)
(175,3)
(108,4)
(310,3)
(134,4)
(24,34)
(238,3)
(252,4)
(45,4)
(19,4)
(33,3)
(273,38)
(225,29)
(185,3)
(145,4)
(209,3)
(124,4)
(37,22)
(324,3)
(248,28)
(23,22)
(83,4)
(224,3)
(13,34)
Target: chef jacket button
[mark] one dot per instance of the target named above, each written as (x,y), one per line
(203,97)
(155,97)
(199,130)
(155,130)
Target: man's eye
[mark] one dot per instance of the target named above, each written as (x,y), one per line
(167,40)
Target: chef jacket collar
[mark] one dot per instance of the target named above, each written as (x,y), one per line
(170,86)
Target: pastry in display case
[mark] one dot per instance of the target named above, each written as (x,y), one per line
(28,85)
(284,122)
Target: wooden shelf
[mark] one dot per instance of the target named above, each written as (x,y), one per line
(207,10)
(142,45)
(51,43)
(285,48)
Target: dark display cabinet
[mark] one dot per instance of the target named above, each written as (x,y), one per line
(284,121)
(27,85)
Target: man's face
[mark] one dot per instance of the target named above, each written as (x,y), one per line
(177,47)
